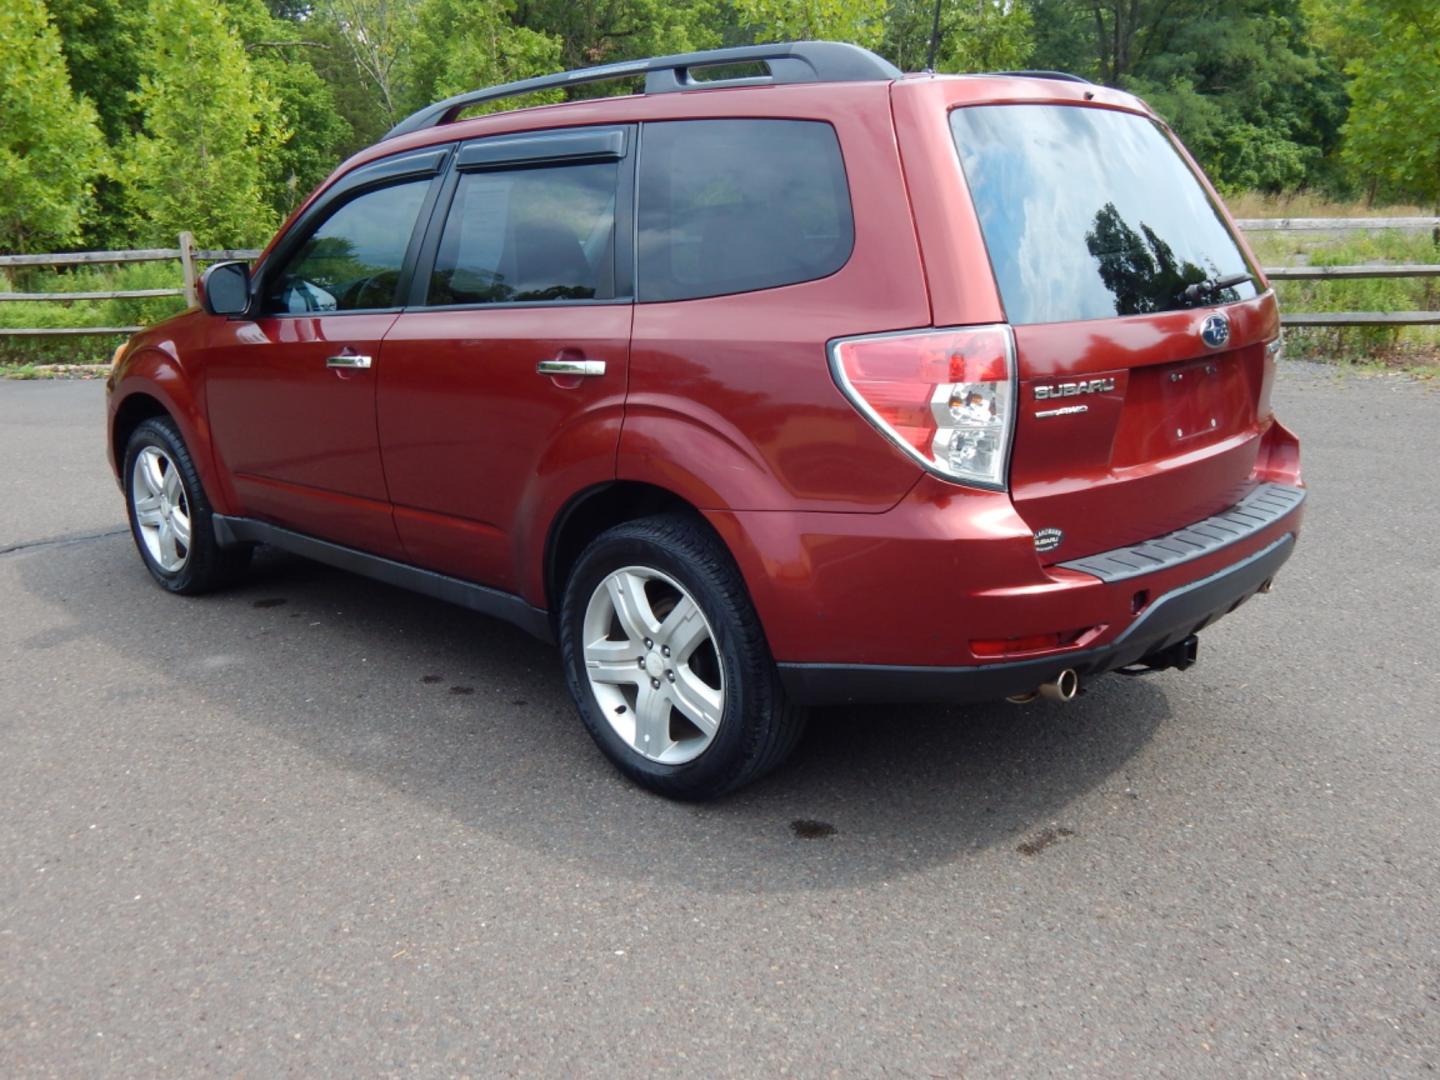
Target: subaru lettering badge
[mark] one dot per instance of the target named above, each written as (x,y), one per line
(1215,331)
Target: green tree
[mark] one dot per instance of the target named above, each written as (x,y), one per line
(354,93)
(859,21)
(906,42)
(466,44)
(604,31)
(1254,102)
(101,39)
(1392,134)
(50,143)
(1239,80)
(376,36)
(1127,33)
(309,133)
(1346,30)
(975,35)
(986,35)
(209,124)
(1064,37)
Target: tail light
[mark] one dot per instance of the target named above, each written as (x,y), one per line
(945,397)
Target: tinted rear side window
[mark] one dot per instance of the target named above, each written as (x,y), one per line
(1089,213)
(529,234)
(729,206)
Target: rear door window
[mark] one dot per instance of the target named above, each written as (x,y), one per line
(729,206)
(529,234)
(1090,213)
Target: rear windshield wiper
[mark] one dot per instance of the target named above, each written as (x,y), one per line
(1210,286)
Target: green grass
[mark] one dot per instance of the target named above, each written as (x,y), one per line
(81,350)
(26,372)
(1410,346)
(1259,204)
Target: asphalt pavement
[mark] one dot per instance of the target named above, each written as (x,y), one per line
(316,826)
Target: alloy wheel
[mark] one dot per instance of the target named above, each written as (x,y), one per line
(653,665)
(162,509)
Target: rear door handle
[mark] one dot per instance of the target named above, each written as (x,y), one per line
(570,367)
(347,360)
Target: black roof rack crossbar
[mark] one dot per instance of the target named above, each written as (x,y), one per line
(1063,76)
(785,62)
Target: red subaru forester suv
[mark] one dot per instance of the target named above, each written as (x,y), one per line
(816,383)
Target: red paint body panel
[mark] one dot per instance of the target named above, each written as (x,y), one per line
(296,438)
(732,405)
(477,444)
(1174,442)
(154,367)
(915,585)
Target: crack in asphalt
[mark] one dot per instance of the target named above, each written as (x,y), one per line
(59,541)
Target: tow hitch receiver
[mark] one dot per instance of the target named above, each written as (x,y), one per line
(1179,656)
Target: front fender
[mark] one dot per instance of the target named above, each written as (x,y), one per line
(153,369)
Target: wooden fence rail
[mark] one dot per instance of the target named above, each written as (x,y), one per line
(1346,273)
(101,258)
(1361,318)
(117,294)
(189,256)
(1327,224)
(71,331)
(1369,270)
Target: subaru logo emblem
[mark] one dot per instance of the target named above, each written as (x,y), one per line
(1215,331)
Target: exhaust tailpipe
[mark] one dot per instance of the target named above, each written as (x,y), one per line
(1064,688)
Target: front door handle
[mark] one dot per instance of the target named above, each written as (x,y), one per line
(347,360)
(570,367)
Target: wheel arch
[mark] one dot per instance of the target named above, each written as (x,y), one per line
(133,411)
(591,512)
(151,382)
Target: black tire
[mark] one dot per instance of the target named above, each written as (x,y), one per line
(206,565)
(758,726)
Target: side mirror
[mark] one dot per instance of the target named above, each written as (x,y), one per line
(225,288)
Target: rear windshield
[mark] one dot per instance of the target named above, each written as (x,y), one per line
(1090,213)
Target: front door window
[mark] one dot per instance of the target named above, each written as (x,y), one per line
(352,261)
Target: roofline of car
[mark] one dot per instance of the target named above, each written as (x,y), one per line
(781,63)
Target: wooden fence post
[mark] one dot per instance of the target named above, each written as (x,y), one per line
(187,265)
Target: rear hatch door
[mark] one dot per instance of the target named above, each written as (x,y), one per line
(1140,324)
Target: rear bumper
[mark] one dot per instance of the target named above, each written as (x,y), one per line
(1168,620)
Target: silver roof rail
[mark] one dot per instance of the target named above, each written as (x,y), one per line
(1063,76)
(785,62)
